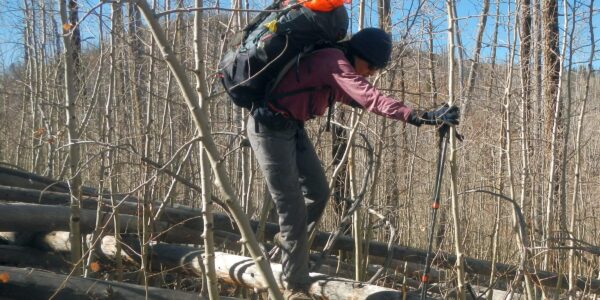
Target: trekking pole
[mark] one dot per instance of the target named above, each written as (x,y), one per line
(443,142)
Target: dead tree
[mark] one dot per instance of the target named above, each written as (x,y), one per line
(37,284)
(70,52)
(552,115)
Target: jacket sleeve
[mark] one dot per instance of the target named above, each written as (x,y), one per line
(356,88)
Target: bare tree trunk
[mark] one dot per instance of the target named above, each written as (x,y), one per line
(33,82)
(141,128)
(116,20)
(537,101)
(562,206)
(432,83)
(525,61)
(576,174)
(460,51)
(525,55)
(74,151)
(459,267)
(495,237)
(27,95)
(75,36)
(44,90)
(201,123)
(383,12)
(357,217)
(509,166)
(201,92)
(476,58)
(552,113)
(102,171)
(361,14)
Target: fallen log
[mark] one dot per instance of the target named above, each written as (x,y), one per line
(233,269)
(34,218)
(16,238)
(18,178)
(17,256)
(30,283)
(177,258)
(496,294)
(182,215)
(174,258)
(190,225)
(19,217)
(477,266)
(240,270)
(187,219)
(40,196)
(179,215)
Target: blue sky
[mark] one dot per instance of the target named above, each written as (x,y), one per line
(10,38)
(11,23)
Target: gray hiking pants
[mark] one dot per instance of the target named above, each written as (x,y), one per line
(298,186)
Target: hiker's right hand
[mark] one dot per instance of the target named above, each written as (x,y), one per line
(445,114)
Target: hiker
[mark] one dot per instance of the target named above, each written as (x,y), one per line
(287,158)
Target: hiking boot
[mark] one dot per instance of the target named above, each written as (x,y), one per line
(296,294)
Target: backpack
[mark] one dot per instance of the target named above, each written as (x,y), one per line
(271,44)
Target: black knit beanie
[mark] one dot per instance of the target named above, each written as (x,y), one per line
(373,45)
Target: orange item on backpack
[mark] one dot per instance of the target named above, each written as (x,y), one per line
(324,5)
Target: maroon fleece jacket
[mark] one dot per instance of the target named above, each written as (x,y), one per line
(329,68)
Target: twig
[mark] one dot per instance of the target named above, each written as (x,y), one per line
(390,246)
(193,9)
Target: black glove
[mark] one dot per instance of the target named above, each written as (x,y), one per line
(444,114)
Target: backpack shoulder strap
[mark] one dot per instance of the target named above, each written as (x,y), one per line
(286,68)
(270,98)
(295,61)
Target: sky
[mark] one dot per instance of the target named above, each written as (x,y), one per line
(10,47)
(11,24)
